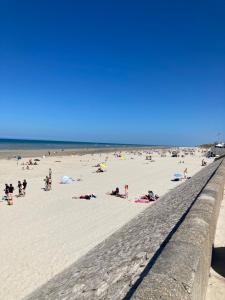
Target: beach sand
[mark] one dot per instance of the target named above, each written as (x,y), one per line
(45,232)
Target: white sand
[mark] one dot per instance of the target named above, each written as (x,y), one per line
(216,284)
(45,232)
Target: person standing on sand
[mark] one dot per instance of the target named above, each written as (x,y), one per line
(6,190)
(46,183)
(50,172)
(185,173)
(24,187)
(20,188)
(10,194)
(126,190)
(49,183)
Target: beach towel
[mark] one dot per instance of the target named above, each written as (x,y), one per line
(142,201)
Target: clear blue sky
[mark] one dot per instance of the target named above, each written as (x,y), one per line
(113,70)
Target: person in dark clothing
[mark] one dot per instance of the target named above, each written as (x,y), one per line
(116,192)
(87,197)
(6,190)
(11,188)
(20,188)
(24,186)
(10,195)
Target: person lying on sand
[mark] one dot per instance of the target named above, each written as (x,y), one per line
(148,198)
(87,197)
(97,166)
(116,193)
(100,170)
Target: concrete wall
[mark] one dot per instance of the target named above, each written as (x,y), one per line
(181,271)
(164,253)
(218,151)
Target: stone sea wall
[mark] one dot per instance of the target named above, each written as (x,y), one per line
(163,253)
(218,151)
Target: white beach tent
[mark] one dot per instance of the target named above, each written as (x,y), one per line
(66,180)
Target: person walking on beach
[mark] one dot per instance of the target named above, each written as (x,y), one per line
(185,173)
(10,194)
(126,190)
(46,183)
(6,190)
(50,172)
(49,183)
(24,187)
(20,188)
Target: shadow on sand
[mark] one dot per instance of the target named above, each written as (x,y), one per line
(218,260)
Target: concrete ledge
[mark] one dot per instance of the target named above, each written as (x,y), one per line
(160,254)
(187,256)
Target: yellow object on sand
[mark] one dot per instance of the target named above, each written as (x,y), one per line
(103,166)
(123,158)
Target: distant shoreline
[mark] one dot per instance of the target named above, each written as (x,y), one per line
(11,153)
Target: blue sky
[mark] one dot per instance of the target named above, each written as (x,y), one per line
(149,72)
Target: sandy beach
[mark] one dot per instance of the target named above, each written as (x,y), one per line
(46,231)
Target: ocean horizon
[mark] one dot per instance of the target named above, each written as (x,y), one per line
(33,144)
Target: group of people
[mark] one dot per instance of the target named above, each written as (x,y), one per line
(144,199)
(9,190)
(28,164)
(48,181)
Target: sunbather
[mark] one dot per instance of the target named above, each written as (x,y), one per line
(87,197)
(148,198)
(116,192)
(99,170)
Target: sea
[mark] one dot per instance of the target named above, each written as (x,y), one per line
(25,144)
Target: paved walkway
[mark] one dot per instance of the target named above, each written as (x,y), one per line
(216,284)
